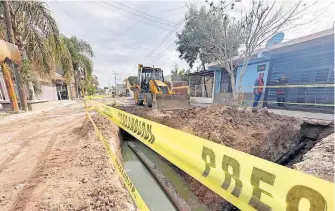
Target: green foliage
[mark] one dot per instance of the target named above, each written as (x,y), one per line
(180,72)
(91,90)
(81,53)
(39,40)
(132,80)
(207,35)
(37,87)
(189,51)
(177,71)
(88,85)
(26,70)
(33,25)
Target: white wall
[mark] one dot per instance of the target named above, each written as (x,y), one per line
(49,92)
(3,89)
(201,100)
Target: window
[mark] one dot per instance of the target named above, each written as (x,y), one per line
(321,75)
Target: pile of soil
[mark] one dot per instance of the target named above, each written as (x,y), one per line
(263,134)
(259,133)
(52,160)
(97,185)
(319,161)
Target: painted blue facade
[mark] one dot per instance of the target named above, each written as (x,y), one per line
(251,74)
(304,63)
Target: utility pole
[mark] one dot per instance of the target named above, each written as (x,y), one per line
(18,79)
(114,73)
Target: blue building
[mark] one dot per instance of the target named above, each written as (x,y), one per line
(307,61)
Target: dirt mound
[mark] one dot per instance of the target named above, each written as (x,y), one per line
(259,133)
(88,181)
(319,160)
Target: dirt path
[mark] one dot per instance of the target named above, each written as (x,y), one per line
(52,161)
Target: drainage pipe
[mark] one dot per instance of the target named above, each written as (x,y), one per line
(292,153)
(177,200)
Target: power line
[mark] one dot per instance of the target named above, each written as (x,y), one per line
(136,14)
(158,56)
(91,17)
(143,12)
(164,40)
(109,8)
(125,31)
(163,50)
(178,8)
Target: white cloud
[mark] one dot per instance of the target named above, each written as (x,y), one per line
(96,23)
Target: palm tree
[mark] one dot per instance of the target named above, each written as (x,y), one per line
(37,36)
(81,53)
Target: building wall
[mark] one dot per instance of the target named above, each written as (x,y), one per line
(49,91)
(246,95)
(310,62)
(171,78)
(3,90)
(223,98)
(303,62)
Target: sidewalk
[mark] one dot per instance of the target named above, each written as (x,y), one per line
(303,114)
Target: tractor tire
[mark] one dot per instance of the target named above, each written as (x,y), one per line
(149,100)
(137,100)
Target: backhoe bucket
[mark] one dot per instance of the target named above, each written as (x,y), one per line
(170,102)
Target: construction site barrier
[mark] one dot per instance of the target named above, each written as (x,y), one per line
(291,103)
(118,166)
(246,181)
(293,86)
(288,86)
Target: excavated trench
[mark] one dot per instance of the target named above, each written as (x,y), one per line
(272,137)
(156,180)
(276,138)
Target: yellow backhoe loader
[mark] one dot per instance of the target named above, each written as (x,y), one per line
(153,92)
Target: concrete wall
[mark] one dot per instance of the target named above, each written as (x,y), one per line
(201,100)
(171,78)
(49,91)
(3,90)
(310,62)
(223,98)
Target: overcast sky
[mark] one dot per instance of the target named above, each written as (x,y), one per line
(123,35)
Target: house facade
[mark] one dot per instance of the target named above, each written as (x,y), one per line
(306,62)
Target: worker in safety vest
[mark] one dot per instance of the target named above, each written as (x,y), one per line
(258,90)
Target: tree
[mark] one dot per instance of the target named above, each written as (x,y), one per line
(219,31)
(132,80)
(180,72)
(36,34)
(81,53)
(177,71)
(190,53)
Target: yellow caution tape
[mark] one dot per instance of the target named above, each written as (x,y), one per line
(248,182)
(91,97)
(293,86)
(116,163)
